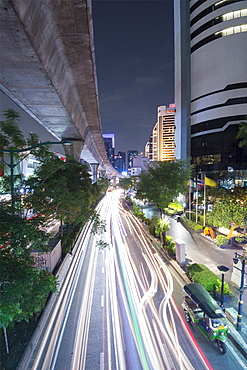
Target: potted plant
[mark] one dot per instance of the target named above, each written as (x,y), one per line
(221,241)
(217,291)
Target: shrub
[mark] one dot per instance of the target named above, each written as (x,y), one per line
(137,211)
(152,225)
(197,227)
(239,239)
(221,240)
(201,274)
(170,246)
(128,199)
(218,285)
(173,208)
(193,225)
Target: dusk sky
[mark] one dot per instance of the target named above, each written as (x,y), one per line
(134,64)
(134,61)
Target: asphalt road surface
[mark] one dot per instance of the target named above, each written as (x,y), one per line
(120,307)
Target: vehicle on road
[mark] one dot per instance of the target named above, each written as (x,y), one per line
(200,308)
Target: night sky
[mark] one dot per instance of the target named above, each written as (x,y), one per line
(135,61)
(134,64)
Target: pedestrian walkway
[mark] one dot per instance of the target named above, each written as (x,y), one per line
(202,249)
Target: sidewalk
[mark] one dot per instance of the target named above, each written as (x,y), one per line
(239,339)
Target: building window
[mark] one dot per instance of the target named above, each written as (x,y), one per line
(32,164)
(231,30)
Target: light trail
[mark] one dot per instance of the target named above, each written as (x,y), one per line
(151,330)
(140,319)
(80,342)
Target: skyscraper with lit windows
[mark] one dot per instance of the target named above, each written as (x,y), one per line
(163,134)
(109,142)
(210,82)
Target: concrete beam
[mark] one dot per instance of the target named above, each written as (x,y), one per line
(48,68)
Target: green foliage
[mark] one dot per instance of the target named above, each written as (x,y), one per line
(152,225)
(69,237)
(192,224)
(21,294)
(62,190)
(128,199)
(201,274)
(170,245)
(101,244)
(242,134)
(191,216)
(239,239)
(230,208)
(221,240)
(24,288)
(173,208)
(125,183)
(10,134)
(164,181)
(99,226)
(102,185)
(218,286)
(137,211)
(162,226)
(17,233)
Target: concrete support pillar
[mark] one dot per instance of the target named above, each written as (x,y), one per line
(102,173)
(114,179)
(94,169)
(75,149)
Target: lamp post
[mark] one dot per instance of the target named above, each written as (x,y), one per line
(12,165)
(223,270)
(242,258)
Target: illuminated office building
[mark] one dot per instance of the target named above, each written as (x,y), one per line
(120,162)
(210,82)
(109,142)
(130,155)
(163,134)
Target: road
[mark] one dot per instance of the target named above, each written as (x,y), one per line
(120,307)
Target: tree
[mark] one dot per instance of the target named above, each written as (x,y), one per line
(164,181)
(230,208)
(11,138)
(125,183)
(62,190)
(162,226)
(23,287)
(101,185)
(242,134)
(10,134)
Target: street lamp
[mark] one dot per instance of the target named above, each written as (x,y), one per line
(12,165)
(242,258)
(223,270)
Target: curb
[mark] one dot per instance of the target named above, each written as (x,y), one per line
(237,340)
(233,335)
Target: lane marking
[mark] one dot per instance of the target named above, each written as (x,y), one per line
(101,361)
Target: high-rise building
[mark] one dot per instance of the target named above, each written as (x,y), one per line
(210,82)
(131,154)
(147,149)
(109,141)
(120,162)
(163,143)
(139,164)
